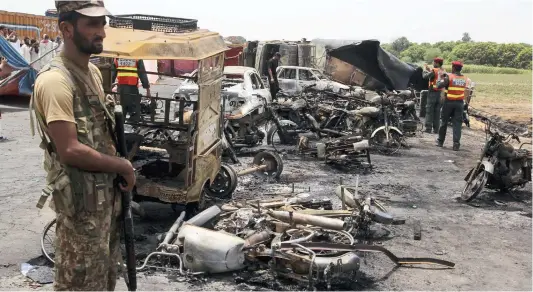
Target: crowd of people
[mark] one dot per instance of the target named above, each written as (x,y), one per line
(34,51)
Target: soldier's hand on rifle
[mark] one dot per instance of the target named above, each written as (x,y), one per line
(129,177)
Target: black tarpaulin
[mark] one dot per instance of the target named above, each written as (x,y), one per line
(369,57)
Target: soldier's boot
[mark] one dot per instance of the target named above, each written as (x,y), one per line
(456,146)
(439,143)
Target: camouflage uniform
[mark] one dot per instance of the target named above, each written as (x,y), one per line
(87,204)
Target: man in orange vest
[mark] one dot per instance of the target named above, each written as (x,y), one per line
(130,71)
(433,104)
(455,85)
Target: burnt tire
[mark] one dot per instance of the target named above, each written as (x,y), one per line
(273,162)
(474,187)
(224,183)
(273,131)
(383,147)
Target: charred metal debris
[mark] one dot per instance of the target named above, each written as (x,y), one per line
(292,237)
(341,128)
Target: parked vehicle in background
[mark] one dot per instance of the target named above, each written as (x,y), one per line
(30,25)
(241,87)
(240,83)
(292,79)
(188,87)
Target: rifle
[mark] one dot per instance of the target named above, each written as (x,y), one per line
(127,217)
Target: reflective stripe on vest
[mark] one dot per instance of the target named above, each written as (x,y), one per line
(433,82)
(456,87)
(130,77)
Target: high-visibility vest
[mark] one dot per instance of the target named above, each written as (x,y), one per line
(456,87)
(433,81)
(129,77)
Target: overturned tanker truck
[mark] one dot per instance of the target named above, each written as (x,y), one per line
(388,75)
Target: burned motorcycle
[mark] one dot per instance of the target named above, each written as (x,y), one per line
(405,105)
(500,166)
(242,125)
(298,112)
(383,124)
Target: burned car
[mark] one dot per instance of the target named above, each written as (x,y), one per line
(293,79)
(244,81)
(188,87)
(244,96)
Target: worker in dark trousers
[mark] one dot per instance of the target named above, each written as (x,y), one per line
(272,66)
(434,95)
(423,103)
(128,75)
(455,85)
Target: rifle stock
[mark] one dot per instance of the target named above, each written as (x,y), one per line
(127,217)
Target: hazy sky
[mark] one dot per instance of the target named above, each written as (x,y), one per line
(419,21)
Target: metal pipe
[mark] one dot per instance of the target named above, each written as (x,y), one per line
(251,170)
(327,213)
(299,218)
(170,234)
(256,238)
(329,131)
(205,216)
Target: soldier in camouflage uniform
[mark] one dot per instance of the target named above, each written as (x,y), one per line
(76,125)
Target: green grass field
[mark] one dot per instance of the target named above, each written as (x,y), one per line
(470,69)
(506,95)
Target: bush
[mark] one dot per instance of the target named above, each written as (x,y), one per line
(431,54)
(506,56)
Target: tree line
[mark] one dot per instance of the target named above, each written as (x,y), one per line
(468,51)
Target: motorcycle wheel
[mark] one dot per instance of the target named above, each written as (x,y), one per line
(475,186)
(274,139)
(380,144)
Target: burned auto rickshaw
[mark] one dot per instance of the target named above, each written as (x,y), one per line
(182,161)
(177,149)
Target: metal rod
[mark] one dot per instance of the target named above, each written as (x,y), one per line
(156,73)
(342,198)
(356,195)
(299,218)
(180,111)
(170,234)
(251,170)
(167,111)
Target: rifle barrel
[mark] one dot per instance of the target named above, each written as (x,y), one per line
(126,207)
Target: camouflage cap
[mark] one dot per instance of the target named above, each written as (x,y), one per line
(88,8)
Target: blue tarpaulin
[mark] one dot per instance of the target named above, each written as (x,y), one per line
(17,62)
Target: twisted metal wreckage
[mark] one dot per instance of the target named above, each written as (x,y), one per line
(295,238)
